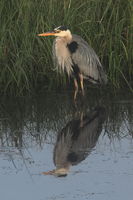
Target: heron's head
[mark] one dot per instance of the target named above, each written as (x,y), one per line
(61,31)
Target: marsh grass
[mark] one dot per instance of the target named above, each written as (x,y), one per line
(26,60)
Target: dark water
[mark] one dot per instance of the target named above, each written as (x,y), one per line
(89,143)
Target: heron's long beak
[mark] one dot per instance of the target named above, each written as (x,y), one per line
(47,33)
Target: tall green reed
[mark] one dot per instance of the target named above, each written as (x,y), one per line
(26,60)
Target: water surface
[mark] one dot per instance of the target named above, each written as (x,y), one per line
(93,137)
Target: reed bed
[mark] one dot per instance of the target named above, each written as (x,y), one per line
(26,60)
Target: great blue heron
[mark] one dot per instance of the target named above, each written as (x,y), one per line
(74,56)
(76,141)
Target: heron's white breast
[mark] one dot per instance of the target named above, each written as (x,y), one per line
(61,48)
(63,55)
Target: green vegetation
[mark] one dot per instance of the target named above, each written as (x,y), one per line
(25,59)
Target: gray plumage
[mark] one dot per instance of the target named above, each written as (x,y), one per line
(73,56)
(78,138)
(84,57)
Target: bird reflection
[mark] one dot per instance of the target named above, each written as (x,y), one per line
(76,140)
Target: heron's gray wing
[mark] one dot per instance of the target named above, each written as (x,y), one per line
(88,134)
(75,142)
(88,62)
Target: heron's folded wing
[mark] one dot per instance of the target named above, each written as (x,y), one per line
(88,62)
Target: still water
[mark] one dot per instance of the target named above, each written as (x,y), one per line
(84,148)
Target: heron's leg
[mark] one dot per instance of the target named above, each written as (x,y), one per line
(81,83)
(76,88)
(76,84)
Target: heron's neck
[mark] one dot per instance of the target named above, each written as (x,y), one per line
(68,35)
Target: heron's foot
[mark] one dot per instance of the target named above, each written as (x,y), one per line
(83,92)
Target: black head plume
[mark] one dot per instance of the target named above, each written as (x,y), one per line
(61,28)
